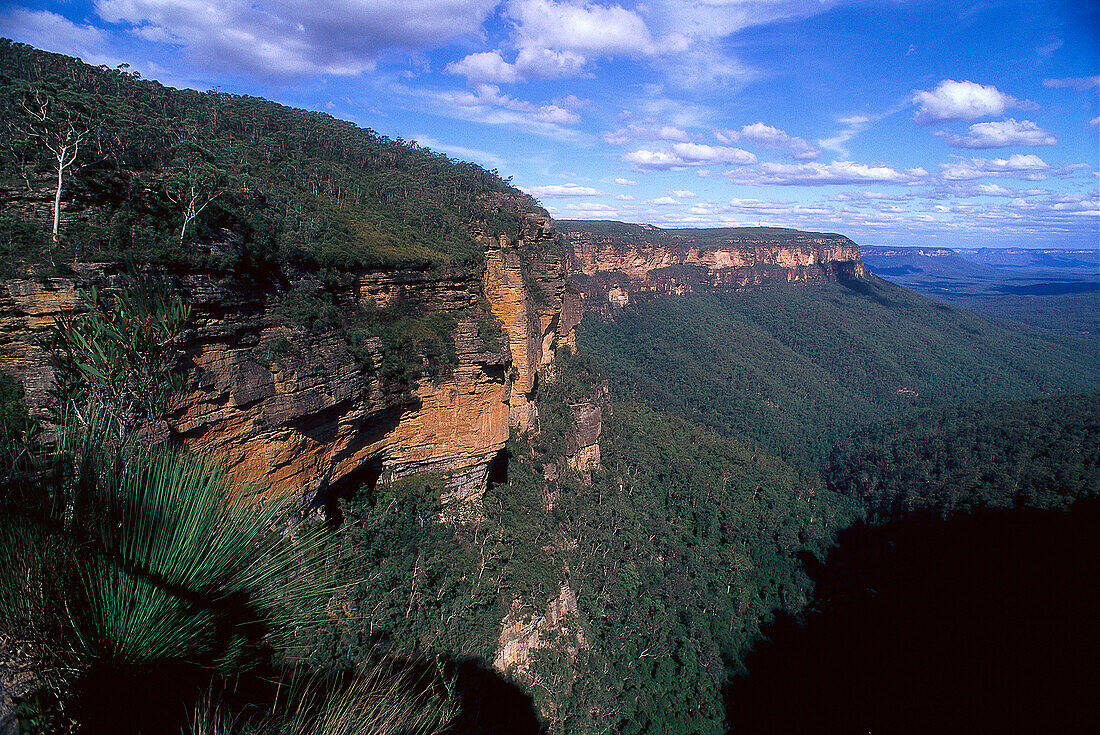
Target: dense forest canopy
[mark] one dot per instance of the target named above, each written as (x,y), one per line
(223,180)
(798,368)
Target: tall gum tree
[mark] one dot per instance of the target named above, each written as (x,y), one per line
(51,124)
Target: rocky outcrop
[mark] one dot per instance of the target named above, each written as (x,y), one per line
(584,441)
(614,263)
(524,632)
(296,412)
(526,291)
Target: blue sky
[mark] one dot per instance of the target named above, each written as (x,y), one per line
(896,122)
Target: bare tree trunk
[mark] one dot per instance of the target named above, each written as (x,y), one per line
(57,200)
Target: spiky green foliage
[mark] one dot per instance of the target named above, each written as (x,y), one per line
(120,353)
(17,432)
(124,560)
(378,701)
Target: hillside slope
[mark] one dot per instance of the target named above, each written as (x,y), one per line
(273,186)
(794,367)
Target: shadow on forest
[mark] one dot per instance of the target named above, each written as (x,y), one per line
(491,705)
(983,623)
(162,700)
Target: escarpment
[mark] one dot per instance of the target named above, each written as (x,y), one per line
(615,262)
(297,410)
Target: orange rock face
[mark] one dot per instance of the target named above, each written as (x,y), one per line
(309,419)
(614,267)
(525,287)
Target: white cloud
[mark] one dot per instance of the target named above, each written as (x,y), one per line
(563,190)
(1081,83)
(489,96)
(553,39)
(1001,134)
(458,151)
(820,174)
(580,26)
(635,131)
(487,104)
(662,201)
(683,193)
(626,182)
(51,31)
(853,126)
(766,136)
(952,100)
(703,65)
(289,38)
(589,210)
(862,195)
(1095,122)
(530,63)
(1017,166)
(994,190)
(484,66)
(681,155)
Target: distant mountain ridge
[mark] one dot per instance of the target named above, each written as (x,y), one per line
(1057,289)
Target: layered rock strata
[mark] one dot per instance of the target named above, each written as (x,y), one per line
(614,264)
(306,419)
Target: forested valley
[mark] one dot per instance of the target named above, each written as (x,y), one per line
(742,434)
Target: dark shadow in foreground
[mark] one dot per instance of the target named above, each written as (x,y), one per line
(490,704)
(986,623)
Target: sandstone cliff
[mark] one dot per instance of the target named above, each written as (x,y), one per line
(614,262)
(310,421)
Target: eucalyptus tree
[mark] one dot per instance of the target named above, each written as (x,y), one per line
(58,126)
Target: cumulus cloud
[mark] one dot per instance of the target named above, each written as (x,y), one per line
(994,190)
(1081,83)
(484,66)
(682,155)
(662,201)
(626,182)
(553,39)
(581,27)
(288,38)
(1003,134)
(1016,166)
(821,174)
(51,31)
(683,194)
(952,100)
(530,63)
(563,190)
(766,136)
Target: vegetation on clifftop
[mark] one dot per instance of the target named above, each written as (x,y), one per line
(225,181)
